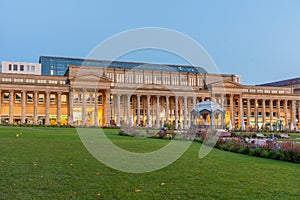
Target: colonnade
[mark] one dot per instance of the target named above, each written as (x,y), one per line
(20,98)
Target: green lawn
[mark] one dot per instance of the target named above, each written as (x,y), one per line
(52,163)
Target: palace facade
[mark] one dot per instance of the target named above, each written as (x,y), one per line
(140,94)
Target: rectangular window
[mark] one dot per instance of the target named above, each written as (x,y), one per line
(32,68)
(29,98)
(15,67)
(100,99)
(75,98)
(18,98)
(63,98)
(9,67)
(41,98)
(52,98)
(80,97)
(41,81)
(28,68)
(6,79)
(29,80)
(5,97)
(88,98)
(93,98)
(22,68)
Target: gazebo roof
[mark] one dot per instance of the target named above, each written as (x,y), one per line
(208,106)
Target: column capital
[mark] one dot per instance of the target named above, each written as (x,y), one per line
(47,92)
(11,90)
(59,92)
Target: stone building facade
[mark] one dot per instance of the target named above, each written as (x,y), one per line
(107,96)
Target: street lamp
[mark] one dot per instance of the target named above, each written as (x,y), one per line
(110,102)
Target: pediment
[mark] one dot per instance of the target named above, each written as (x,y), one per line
(227,84)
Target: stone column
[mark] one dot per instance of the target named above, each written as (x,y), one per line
(298,113)
(148,111)
(241,111)
(271,110)
(11,104)
(176,112)
(222,101)
(256,113)
(118,109)
(83,119)
(70,117)
(278,109)
(128,120)
(96,120)
(157,112)
(232,111)
(285,113)
(293,113)
(194,104)
(23,115)
(167,109)
(185,112)
(58,108)
(47,120)
(35,107)
(138,105)
(248,112)
(263,111)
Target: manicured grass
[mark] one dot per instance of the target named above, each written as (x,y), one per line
(52,163)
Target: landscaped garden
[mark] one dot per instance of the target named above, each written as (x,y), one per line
(52,163)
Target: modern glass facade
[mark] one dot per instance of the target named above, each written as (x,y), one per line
(57,66)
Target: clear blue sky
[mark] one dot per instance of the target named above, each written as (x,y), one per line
(259,40)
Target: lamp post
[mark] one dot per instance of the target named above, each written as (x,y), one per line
(111,113)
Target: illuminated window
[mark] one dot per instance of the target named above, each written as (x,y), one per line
(29,98)
(5,97)
(52,98)
(41,98)
(63,98)
(18,98)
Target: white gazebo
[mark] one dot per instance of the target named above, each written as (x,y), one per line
(208,114)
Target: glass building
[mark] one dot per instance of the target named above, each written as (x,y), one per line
(57,66)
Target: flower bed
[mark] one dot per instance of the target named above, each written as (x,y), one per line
(286,151)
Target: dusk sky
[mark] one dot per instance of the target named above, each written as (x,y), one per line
(259,40)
